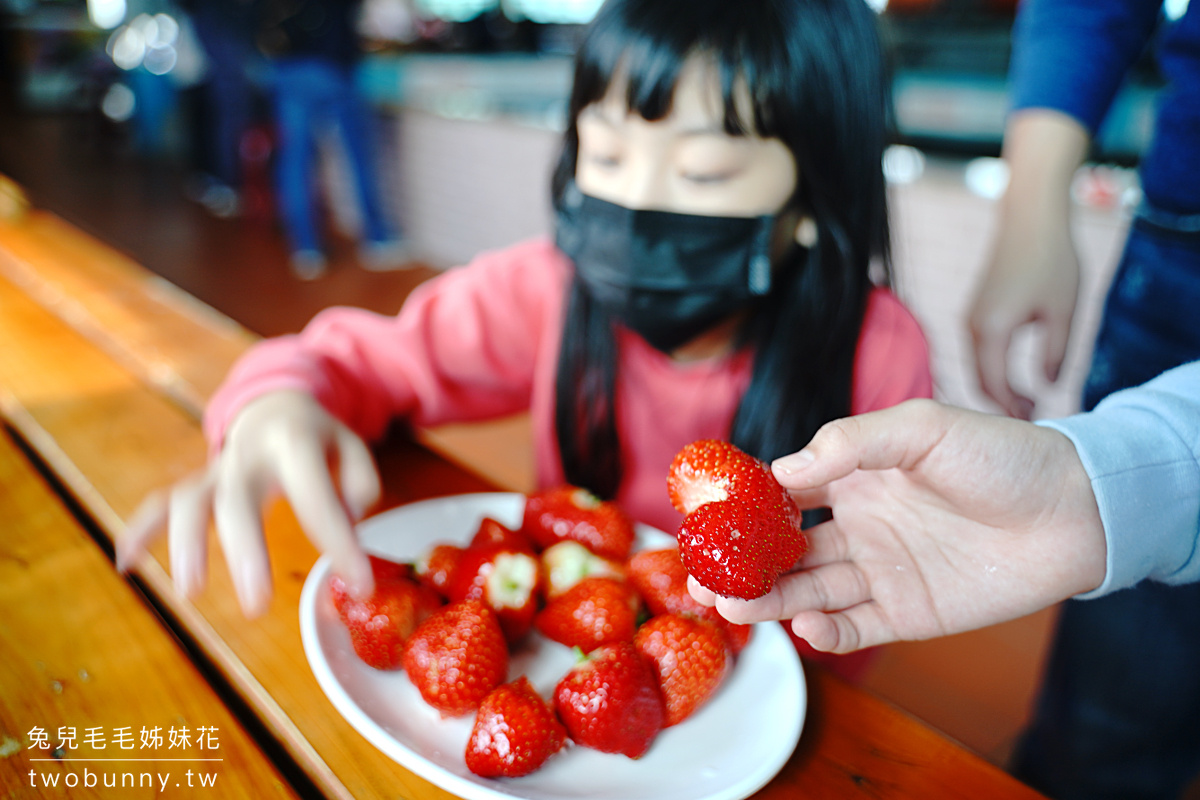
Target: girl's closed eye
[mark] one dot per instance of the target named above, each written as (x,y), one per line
(603,160)
(712,161)
(708,177)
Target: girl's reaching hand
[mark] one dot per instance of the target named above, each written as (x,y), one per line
(283,442)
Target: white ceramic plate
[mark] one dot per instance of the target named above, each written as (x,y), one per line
(728,750)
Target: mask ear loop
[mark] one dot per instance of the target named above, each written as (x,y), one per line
(759,278)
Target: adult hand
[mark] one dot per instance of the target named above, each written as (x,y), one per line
(1033,276)
(281,442)
(944,520)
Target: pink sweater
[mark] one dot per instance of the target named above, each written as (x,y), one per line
(482,341)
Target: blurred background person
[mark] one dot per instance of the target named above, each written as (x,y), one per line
(1111,721)
(313,47)
(226,30)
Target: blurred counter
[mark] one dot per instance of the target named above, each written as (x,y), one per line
(470,140)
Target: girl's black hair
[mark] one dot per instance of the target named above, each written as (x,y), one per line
(816,79)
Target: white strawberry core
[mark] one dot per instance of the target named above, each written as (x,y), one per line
(699,489)
(569,562)
(493,736)
(511,581)
(584,499)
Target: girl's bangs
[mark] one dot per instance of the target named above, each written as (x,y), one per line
(649,58)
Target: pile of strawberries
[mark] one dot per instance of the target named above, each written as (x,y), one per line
(650,655)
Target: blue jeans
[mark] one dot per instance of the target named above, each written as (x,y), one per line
(228,90)
(1119,711)
(313,94)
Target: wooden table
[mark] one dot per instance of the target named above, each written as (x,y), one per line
(103,372)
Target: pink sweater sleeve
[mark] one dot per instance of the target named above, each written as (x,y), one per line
(892,363)
(462,347)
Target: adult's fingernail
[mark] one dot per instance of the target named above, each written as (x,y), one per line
(795,462)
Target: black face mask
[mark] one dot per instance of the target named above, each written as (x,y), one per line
(668,277)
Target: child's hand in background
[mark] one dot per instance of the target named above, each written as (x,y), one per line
(281,442)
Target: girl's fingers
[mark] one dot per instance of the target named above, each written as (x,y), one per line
(190,512)
(308,485)
(147,524)
(237,508)
(357,474)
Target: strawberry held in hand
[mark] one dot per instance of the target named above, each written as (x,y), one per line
(690,657)
(610,701)
(742,529)
(456,657)
(514,733)
(567,512)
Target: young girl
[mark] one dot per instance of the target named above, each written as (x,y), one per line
(721,208)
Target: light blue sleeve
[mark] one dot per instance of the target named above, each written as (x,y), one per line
(1141,449)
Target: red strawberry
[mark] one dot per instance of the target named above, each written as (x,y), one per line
(514,733)
(456,657)
(436,567)
(736,636)
(567,563)
(660,577)
(742,529)
(711,471)
(491,532)
(690,657)
(567,512)
(591,613)
(505,580)
(380,625)
(381,568)
(610,701)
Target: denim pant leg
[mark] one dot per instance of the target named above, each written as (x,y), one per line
(1119,712)
(354,122)
(228,90)
(298,93)
(1151,319)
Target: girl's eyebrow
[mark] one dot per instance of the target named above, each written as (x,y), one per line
(705,129)
(598,113)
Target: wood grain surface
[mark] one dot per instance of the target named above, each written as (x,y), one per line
(83,654)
